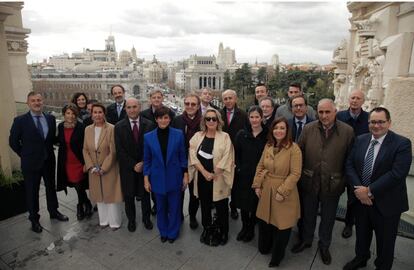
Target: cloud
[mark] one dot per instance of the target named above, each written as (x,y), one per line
(298,32)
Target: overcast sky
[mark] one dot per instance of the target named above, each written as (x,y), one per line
(173,30)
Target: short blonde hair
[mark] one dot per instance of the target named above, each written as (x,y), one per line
(220,122)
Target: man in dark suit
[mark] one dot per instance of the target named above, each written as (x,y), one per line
(129,142)
(358,120)
(32,136)
(300,118)
(156,99)
(116,111)
(268,107)
(377,168)
(234,120)
(206,96)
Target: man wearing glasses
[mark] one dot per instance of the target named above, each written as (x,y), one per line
(300,118)
(189,123)
(285,110)
(358,120)
(377,168)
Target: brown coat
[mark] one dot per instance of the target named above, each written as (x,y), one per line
(324,158)
(223,153)
(106,188)
(281,173)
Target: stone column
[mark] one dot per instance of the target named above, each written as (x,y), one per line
(7,105)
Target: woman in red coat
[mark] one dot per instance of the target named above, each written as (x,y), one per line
(70,159)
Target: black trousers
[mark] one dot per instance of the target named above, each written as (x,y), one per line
(32,185)
(311,203)
(205,192)
(369,219)
(350,207)
(274,240)
(81,191)
(248,218)
(194,202)
(130,209)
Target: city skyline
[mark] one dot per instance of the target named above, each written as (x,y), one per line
(297,32)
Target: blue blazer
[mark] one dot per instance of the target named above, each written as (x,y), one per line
(391,167)
(165,177)
(27,142)
(293,127)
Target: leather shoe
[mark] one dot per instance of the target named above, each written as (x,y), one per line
(148,224)
(299,247)
(203,236)
(347,232)
(193,223)
(171,240)
(224,239)
(132,226)
(325,256)
(59,216)
(36,227)
(163,239)
(355,264)
(234,214)
(273,264)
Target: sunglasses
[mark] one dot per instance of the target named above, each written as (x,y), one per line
(209,119)
(190,104)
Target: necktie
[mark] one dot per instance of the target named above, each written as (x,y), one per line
(369,159)
(119,109)
(135,131)
(299,131)
(228,117)
(39,126)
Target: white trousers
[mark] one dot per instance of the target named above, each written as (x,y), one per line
(110,214)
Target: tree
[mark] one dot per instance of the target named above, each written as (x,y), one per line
(262,75)
(242,81)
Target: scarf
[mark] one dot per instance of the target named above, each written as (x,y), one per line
(191,125)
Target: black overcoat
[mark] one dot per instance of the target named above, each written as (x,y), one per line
(129,153)
(248,150)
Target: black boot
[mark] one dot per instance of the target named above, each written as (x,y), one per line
(80,214)
(242,233)
(249,235)
(88,209)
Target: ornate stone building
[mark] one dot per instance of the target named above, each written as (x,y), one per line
(202,72)
(378,58)
(225,57)
(14,75)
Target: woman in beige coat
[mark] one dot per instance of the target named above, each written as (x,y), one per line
(100,162)
(211,167)
(275,181)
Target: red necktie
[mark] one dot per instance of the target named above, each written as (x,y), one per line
(228,117)
(135,131)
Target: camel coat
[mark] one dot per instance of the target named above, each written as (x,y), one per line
(281,173)
(223,158)
(107,188)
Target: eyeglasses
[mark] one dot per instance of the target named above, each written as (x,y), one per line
(379,122)
(209,119)
(188,104)
(298,106)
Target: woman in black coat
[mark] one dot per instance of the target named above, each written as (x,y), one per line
(249,145)
(70,159)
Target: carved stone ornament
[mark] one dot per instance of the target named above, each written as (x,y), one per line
(366,28)
(18,46)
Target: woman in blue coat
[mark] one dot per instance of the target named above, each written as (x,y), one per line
(165,173)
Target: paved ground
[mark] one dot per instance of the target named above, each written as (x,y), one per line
(83,245)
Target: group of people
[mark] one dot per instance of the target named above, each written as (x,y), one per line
(277,164)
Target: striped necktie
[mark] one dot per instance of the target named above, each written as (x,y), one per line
(369,159)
